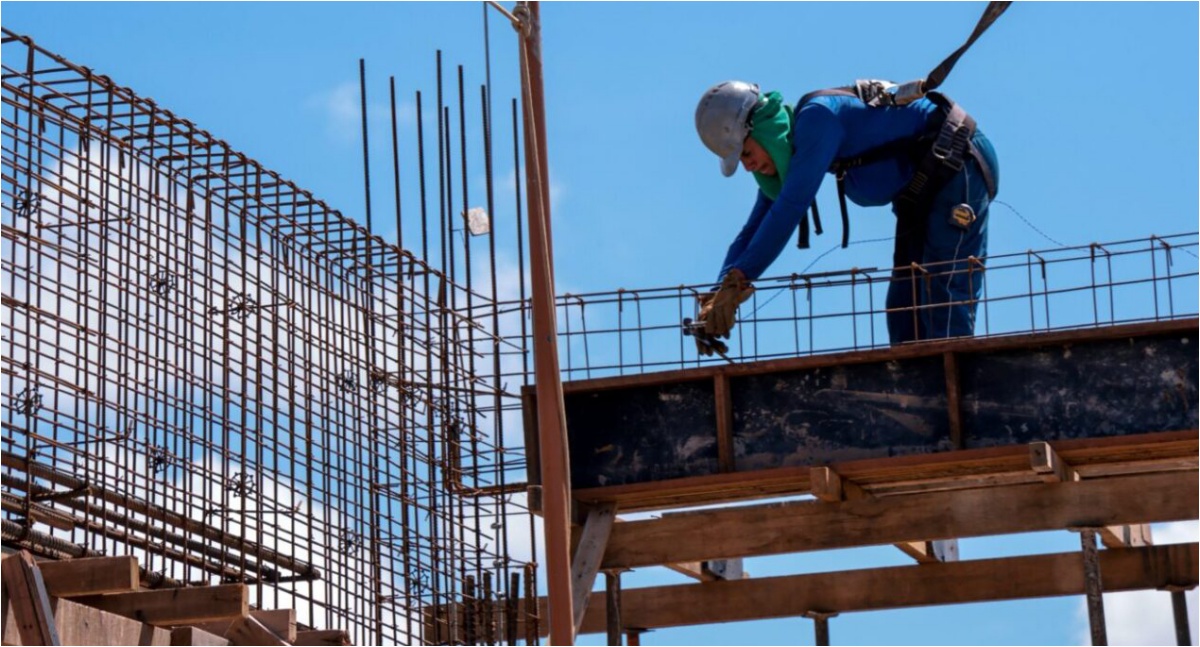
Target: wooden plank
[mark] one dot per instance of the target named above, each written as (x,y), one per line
(690,569)
(928,552)
(969,468)
(829,486)
(724,402)
(280,621)
(186,606)
(1049,465)
(1009,578)
(80,624)
(249,631)
(197,637)
(589,555)
(28,602)
(90,576)
(322,637)
(1053,469)
(815,525)
(1128,536)
(953,399)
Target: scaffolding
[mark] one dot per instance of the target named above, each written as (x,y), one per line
(210,368)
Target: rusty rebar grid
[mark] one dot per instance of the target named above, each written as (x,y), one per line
(638,330)
(209,367)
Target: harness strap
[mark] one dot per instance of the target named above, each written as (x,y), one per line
(939,73)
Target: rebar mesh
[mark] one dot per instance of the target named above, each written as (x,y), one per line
(632,331)
(209,368)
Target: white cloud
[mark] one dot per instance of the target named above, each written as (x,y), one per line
(342,109)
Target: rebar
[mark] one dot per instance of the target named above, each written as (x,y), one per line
(231,379)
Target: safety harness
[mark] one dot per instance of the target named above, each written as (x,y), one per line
(938,154)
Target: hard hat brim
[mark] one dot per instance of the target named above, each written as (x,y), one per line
(729,164)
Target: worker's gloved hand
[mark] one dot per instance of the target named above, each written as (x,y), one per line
(707,346)
(718,310)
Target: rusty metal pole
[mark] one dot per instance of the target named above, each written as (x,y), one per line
(552,424)
(820,625)
(1183,632)
(612,599)
(1093,586)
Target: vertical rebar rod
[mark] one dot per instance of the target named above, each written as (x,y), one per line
(820,625)
(1183,633)
(368,363)
(612,600)
(1093,586)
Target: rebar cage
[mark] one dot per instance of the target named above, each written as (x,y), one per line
(633,331)
(210,368)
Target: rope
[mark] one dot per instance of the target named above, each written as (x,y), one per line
(1026,221)
(836,246)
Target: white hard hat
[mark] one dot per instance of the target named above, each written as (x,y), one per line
(723,120)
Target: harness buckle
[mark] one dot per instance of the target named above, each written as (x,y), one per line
(950,144)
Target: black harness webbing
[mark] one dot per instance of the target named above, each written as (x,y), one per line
(939,73)
(938,154)
(938,157)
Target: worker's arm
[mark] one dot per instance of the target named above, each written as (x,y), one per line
(761,205)
(818,134)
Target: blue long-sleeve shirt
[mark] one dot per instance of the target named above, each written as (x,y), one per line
(828,128)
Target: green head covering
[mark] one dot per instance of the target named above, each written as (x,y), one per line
(773,131)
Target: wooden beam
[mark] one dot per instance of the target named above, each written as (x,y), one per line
(196,637)
(699,571)
(249,631)
(953,399)
(1053,469)
(80,624)
(588,556)
(814,525)
(987,580)
(280,621)
(90,576)
(969,468)
(177,606)
(1128,536)
(322,637)
(690,569)
(829,486)
(1049,465)
(27,600)
(726,459)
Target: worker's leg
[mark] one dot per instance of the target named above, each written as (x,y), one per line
(903,320)
(956,284)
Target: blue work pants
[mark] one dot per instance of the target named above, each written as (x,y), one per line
(938,299)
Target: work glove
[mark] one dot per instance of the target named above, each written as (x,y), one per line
(718,309)
(707,345)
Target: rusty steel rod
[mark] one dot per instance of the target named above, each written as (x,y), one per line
(1093,586)
(248,381)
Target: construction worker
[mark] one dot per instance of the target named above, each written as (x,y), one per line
(925,157)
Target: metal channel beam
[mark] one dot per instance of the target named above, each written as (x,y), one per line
(713,434)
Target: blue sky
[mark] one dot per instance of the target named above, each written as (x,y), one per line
(1091,106)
